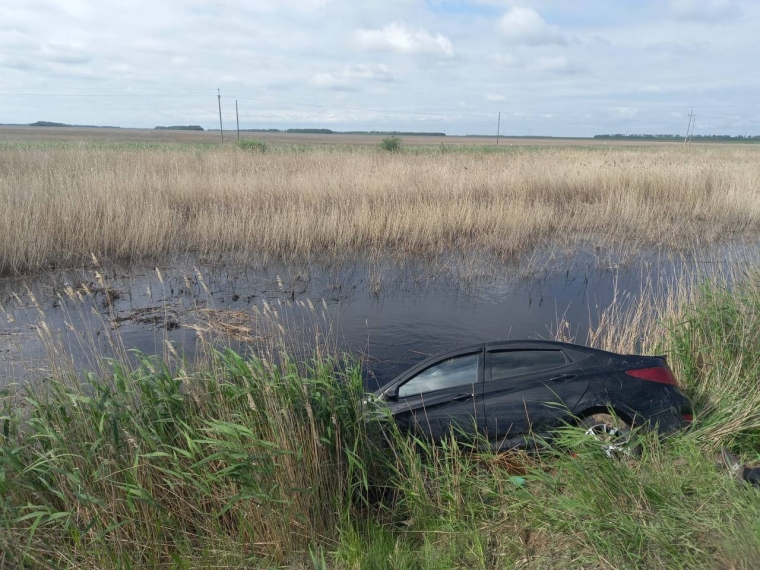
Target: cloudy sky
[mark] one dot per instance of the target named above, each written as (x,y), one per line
(551,67)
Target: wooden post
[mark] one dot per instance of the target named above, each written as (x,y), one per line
(237,118)
(498,129)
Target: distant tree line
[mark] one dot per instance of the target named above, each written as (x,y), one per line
(331,132)
(300,131)
(48,124)
(716,138)
(52,124)
(528,137)
(396,133)
(180,128)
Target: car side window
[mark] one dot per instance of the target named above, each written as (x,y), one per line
(456,371)
(509,363)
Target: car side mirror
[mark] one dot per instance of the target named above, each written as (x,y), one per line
(391,394)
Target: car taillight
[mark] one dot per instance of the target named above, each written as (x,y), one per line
(661,374)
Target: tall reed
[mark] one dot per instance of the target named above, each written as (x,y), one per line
(250,460)
(62,204)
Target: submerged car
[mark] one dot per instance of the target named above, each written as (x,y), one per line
(512,391)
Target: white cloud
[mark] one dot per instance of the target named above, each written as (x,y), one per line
(526,26)
(153,44)
(704,10)
(626,112)
(556,64)
(680,49)
(15,39)
(494,98)
(368,72)
(66,53)
(325,80)
(273,6)
(348,78)
(402,39)
(505,60)
(17,63)
(121,67)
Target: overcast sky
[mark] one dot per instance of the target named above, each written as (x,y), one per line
(551,67)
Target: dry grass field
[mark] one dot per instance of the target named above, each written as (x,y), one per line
(64,202)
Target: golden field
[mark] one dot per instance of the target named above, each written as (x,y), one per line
(125,203)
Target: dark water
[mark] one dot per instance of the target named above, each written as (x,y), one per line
(395,317)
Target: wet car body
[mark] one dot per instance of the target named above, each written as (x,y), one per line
(512,391)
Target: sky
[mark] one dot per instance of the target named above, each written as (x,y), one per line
(550,67)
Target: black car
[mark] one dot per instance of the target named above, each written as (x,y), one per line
(511,390)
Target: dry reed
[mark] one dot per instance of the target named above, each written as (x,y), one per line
(62,204)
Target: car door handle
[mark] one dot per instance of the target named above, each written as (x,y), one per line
(563,378)
(462,398)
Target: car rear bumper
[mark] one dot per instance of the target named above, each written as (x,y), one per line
(674,415)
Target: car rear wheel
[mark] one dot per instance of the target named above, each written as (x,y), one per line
(613,434)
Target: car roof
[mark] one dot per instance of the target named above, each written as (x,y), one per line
(497,345)
(527,344)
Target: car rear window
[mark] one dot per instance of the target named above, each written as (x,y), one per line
(457,371)
(509,363)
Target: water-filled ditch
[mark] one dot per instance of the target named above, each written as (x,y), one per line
(395,316)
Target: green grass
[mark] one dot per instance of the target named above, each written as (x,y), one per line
(248,464)
(251,145)
(151,466)
(391,144)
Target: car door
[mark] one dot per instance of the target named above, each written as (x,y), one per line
(528,389)
(440,395)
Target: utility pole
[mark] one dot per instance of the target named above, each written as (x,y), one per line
(694,122)
(498,129)
(691,114)
(221,128)
(237,118)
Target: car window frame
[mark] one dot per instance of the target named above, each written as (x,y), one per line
(488,373)
(423,366)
